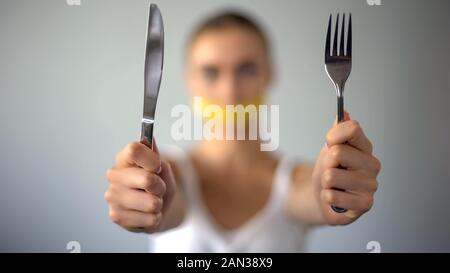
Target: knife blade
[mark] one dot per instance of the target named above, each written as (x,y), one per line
(154,56)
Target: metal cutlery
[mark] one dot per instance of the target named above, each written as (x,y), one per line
(154,56)
(338,65)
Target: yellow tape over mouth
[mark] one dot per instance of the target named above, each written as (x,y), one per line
(208,109)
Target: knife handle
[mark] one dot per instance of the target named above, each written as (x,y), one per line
(147,133)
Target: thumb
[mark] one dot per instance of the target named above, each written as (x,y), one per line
(346,117)
(156,150)
(155,147)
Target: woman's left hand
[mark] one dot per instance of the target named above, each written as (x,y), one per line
(346,163)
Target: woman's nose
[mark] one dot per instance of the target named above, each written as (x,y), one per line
(229,89)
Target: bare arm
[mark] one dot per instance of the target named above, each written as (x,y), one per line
(302,203)
(176,211)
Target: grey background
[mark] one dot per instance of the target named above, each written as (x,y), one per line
(71,96)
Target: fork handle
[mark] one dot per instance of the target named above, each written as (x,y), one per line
(340,108)
(340,117)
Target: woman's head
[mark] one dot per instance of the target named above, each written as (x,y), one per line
(228,60)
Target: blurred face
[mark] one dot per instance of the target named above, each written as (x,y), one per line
(228,66)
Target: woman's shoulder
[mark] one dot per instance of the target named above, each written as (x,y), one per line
(300,169)
(302,172)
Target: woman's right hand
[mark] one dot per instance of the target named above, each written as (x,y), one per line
(141,187)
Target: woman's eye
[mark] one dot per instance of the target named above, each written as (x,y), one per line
(248,70)
(210,74)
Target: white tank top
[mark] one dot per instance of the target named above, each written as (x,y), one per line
(269,230)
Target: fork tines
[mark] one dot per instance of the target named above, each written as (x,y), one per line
(348,52)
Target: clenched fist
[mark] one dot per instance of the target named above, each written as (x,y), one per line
(141,186)
(345,174)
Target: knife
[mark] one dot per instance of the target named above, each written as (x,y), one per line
(152,72)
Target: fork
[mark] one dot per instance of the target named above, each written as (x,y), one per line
(338,66)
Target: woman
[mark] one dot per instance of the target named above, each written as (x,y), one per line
(228,195)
